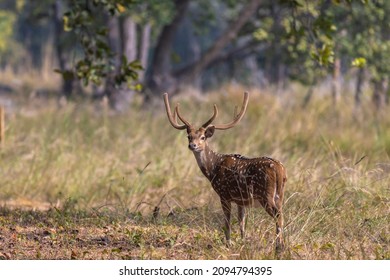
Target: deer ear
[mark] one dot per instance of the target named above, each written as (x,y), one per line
(209,131)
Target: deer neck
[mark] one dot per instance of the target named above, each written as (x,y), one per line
(207,161)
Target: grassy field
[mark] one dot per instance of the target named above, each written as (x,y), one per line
(82,183)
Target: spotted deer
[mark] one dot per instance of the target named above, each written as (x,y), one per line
(245,181)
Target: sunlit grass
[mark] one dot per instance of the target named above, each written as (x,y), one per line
(80,158)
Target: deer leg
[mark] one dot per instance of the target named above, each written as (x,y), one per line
(227,209)
(279,232)
(241,220)
(279,223)
(276,213)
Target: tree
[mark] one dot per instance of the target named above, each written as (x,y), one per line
(178,41)
(97,30)
(163,76)
(63,50)
(365,43)
(111,50)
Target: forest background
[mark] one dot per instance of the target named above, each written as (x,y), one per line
(92,169)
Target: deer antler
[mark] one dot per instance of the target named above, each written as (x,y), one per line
(238,117)
(172,118)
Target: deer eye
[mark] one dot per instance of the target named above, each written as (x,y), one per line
(202,137)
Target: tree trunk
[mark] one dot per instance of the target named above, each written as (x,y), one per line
(336,81)
(129,28)
(144,49)
(308,96)
(67,79)
(276,71)
(359,86)
(160,79)
(114,41)
(378,97)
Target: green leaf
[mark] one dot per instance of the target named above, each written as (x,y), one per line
(67,25)
(138,87)
(136,65)
(359,62)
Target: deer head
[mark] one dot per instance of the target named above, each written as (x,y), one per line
(197,138)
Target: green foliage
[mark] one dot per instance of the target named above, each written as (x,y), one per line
(324,56)
(128,71)
(11,51)
(363,37)
(98,61)
(359,62)
(263,32)
(7,20)
(305,36)
(317,31)
(156,12)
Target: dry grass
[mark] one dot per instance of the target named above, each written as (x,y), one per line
(78,183)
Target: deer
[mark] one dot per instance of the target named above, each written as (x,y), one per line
(247,182)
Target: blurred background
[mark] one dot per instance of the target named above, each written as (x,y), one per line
(78,49)
(87,150)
